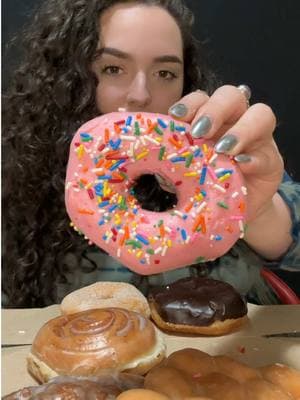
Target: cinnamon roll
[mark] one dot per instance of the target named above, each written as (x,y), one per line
(93,341)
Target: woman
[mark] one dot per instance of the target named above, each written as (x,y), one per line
(88,57)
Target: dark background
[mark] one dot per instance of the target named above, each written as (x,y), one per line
(254,42)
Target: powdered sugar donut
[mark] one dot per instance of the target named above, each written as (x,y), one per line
(110,152)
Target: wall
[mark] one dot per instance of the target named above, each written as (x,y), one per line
(254,42)
(257,42)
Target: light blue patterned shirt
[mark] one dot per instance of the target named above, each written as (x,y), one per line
(240,266)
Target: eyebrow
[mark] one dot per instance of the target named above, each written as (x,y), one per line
(126,56)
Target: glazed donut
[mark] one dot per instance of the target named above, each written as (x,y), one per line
(184,386)
(145,394)
(197,363)
(95,341)
(107,157)
(219,386)
(184,375)
(106,294)
(194,362)
(287,378)
(141,394)
(236,370)
(104,387)
(260,389)
(176,384)
(198,305)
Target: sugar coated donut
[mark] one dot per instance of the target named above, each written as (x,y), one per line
(110,153)
(106,294)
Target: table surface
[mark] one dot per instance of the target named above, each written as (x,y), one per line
(247,345)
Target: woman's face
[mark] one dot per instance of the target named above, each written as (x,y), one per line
(140,60)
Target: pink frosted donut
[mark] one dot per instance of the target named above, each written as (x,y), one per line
(110,152)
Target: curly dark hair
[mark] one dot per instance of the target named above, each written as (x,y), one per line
(51,94)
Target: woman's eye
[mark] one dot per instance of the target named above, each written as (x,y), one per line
(111,70)
(168,75)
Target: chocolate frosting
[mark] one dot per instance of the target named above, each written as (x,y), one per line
(198,301)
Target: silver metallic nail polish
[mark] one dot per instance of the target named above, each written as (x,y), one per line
(242,158)
(201,127)
(165,184)
(178,110)
(226,143)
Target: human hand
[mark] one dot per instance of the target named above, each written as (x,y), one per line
(241,132)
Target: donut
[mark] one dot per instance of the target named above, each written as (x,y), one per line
(141,394)
(236,370)
(184,386)
(219,386)
(106,294)
(95,341)
(145,394)
(198,305)
(183,375)
(197,363)
(176,384)
(197,398)
(194,362)
(110,154)
(260,389)
(104,387)
(287,378)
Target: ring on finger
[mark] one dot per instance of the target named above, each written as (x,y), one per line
(246,92)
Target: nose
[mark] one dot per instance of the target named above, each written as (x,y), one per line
(138,96)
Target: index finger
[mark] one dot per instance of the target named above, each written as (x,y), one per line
(188,106)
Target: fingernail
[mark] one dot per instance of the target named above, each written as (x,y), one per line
(201,91)
(178,110)
(164,184)
(225,144)
(201,127)
(242,158)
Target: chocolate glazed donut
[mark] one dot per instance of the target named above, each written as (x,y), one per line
(198,305)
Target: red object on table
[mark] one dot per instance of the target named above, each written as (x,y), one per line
(283,291)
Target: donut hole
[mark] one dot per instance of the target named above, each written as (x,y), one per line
(151,196)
